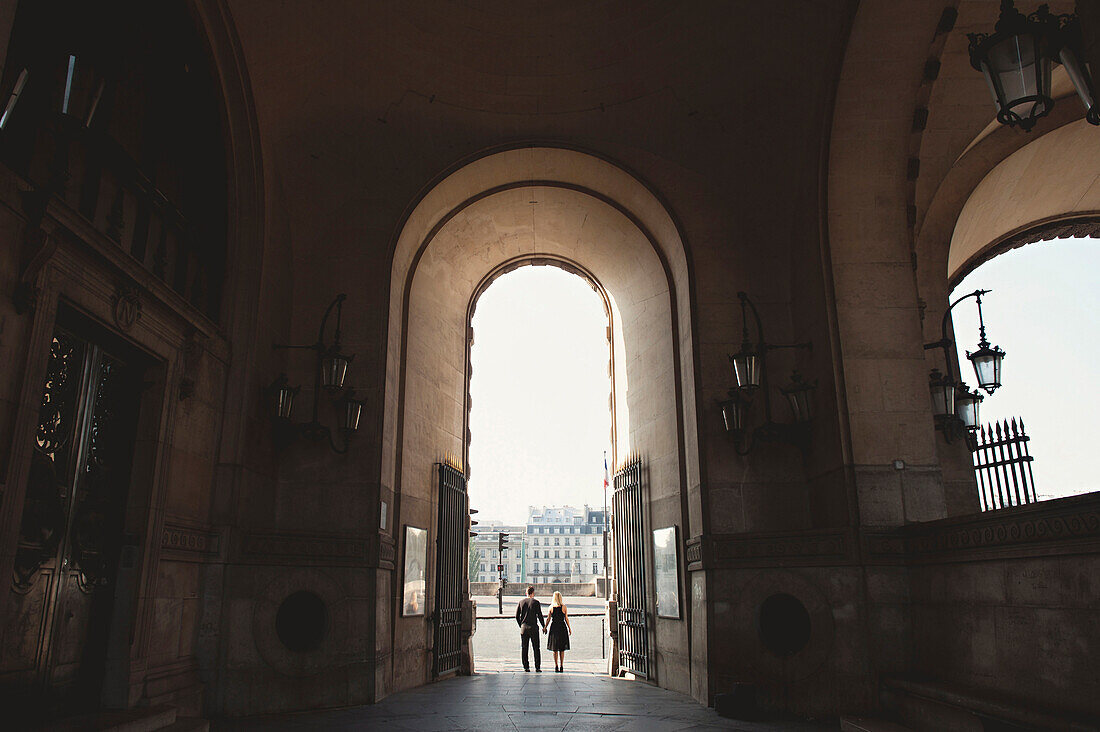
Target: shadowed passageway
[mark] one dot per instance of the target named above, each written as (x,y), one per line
(521,701)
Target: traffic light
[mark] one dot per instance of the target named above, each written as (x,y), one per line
(502,541)
(472,522)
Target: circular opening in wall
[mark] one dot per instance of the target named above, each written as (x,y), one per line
(301,621)
(784,624)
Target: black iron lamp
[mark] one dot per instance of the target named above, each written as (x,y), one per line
(798,394)
(330,373)
(282,398)
(986,360)
(750,375)
(966,406)
(954,405)
(1071,54)
(942,388)
(1017,59)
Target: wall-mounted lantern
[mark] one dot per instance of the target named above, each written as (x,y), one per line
(330,374)
(954,405)
(750,375)
(1017,58)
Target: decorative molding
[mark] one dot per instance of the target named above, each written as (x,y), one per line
(693,553)
(1078,226)
(189,542)
(126,306)
(1061,526)
(387,551)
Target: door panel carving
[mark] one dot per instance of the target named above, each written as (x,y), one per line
(72,525)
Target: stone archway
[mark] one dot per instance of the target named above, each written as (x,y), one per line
(532,203)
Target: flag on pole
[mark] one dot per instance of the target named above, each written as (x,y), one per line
(605,481)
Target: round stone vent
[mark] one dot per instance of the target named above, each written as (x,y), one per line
(301,621)
(784,624)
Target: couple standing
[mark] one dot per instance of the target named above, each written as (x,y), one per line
(557,629)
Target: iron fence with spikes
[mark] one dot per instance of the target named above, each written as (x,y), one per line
(1003,465)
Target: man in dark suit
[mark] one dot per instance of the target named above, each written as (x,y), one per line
(529,617)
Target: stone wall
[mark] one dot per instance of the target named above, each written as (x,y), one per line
(1007,602)
(567,589)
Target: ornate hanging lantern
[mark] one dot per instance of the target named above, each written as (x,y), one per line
(1016,60)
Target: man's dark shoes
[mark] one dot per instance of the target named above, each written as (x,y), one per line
(527,670)
(538,670)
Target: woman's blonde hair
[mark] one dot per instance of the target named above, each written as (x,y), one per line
(557,602)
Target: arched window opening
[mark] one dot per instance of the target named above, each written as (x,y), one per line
(1041,312)
(541,422)
(113,107)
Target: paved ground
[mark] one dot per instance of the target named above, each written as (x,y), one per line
(520,701)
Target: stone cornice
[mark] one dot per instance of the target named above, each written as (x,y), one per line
(189,543)
(1063,526)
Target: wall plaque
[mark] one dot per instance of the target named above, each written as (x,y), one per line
(666,566)
(416,559)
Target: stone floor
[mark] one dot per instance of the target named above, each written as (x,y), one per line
(509,700)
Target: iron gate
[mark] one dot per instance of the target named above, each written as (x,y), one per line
(450,569)
(1003,465)
(629,533)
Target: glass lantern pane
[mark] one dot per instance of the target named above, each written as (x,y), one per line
(800,405)
(1022,73)
(968,411)
(731,416)
(284,402)
(334,370)
(746,370)
(987,369)
(943,400)
(1079,75)
(353,411)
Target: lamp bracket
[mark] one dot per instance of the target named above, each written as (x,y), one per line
(945,342)
(314,430)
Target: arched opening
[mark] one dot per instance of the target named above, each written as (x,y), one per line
(1042,295)
(532,204)
(1000,194)
(541,424)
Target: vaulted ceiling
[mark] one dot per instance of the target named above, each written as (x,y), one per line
(362,104)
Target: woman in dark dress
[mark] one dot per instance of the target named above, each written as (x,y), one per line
(557,639)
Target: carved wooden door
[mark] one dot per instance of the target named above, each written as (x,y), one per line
(72,523)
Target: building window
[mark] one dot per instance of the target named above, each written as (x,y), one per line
(556,554)
(595,568)
(593,541)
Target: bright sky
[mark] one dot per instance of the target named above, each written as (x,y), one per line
(539,419)
(1043,313)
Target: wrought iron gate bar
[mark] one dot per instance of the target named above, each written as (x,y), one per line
(1003,466)
(449,574)
(629,536)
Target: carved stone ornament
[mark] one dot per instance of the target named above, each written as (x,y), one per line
(127,310)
